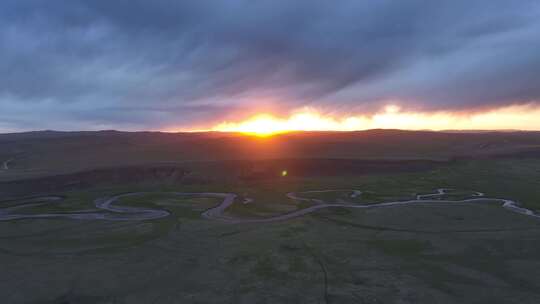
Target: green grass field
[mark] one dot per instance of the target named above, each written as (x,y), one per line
(458,253)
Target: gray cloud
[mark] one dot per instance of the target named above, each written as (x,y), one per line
(151,64)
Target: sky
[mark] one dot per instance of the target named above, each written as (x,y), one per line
(199,65)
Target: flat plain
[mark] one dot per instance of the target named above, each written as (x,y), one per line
(362,217)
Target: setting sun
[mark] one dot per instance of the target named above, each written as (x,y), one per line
(390,117)
(307,120)
(259,125)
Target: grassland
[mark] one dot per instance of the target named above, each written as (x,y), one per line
(50,153)
(445,253)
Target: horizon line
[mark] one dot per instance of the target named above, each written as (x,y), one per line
(280,133)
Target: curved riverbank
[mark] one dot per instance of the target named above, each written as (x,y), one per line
(108,210)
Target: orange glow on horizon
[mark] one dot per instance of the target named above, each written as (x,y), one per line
(266,124)
(519,117)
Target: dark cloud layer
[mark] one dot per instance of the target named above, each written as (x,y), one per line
(149,64)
